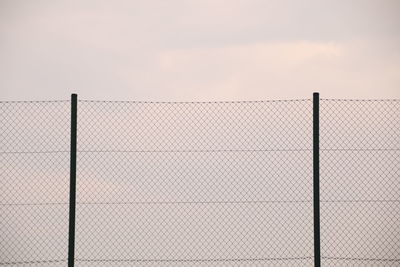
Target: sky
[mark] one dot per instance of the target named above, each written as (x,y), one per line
(209,50)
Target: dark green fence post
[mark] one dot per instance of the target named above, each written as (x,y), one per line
(72,188)
(317,237)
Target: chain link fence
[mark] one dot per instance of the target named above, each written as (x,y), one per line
(360,182)
(200,183)
(220,183)
(34,182)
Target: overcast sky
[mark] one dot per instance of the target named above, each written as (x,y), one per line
(181,50)
(211,183)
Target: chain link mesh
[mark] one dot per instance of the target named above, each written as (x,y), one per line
(360,186)
(200,184)
(34,182)
(218,183)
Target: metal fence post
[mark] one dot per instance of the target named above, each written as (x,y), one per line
(72,189)
(317,237)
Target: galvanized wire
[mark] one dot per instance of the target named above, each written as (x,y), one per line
(360,185)
(200,183)
(33,173)
(209,184)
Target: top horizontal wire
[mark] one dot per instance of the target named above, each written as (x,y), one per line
(34,101)
(360,100)
(199,102)
(192,102)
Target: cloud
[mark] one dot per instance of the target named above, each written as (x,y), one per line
(250,71)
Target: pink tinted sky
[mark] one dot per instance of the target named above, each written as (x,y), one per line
(199,50)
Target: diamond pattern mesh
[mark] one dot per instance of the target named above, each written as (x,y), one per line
(219,183)
(34,182)
(200,184)
(360,185)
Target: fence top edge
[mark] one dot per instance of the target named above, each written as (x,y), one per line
(33,101)
(197,102)
(360,100)
(192,102)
